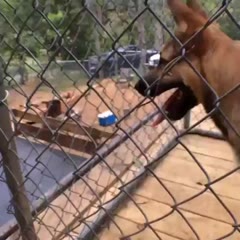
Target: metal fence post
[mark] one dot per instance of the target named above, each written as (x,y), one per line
(12,170)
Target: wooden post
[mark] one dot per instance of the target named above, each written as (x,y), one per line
(12,170)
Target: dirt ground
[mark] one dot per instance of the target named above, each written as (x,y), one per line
(106,95)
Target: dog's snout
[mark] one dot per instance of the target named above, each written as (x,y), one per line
(144,88)
(140,86)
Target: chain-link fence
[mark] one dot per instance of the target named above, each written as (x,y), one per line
(80,156)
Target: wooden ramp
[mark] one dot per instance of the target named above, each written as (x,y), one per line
(184,179)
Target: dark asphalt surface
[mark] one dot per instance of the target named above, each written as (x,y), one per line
(49,168)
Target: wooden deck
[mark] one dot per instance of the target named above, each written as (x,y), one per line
(184,179)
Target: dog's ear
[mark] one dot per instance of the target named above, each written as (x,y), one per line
(185,16)
(179,11)
(197,8)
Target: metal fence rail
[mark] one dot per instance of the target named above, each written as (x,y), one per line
(62,174)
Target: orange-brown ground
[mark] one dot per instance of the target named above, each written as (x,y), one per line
(106,96)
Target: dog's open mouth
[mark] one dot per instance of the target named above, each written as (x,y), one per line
(177,105)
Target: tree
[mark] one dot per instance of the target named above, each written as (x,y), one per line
(226,23)
(43,23)
(56,25)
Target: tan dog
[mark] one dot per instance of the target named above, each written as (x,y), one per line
(215,58)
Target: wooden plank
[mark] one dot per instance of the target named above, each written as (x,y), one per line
(174,169)
(198,113)
(67,126)
(68,141)
(194,210)
(128,227)
(206,222)
(182,192)
(152,189)
(208,146)
(204,159)
(173,224)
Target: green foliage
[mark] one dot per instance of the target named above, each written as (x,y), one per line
(56,25)
(51,25)
(228,25)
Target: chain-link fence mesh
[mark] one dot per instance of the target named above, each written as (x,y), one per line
(66,175)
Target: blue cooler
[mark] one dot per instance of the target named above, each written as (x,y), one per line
(106,118)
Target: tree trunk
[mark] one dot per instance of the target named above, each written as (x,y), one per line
(97,10)
(141,36)
(159,31)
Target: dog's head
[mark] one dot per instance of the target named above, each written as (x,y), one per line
(173,71)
